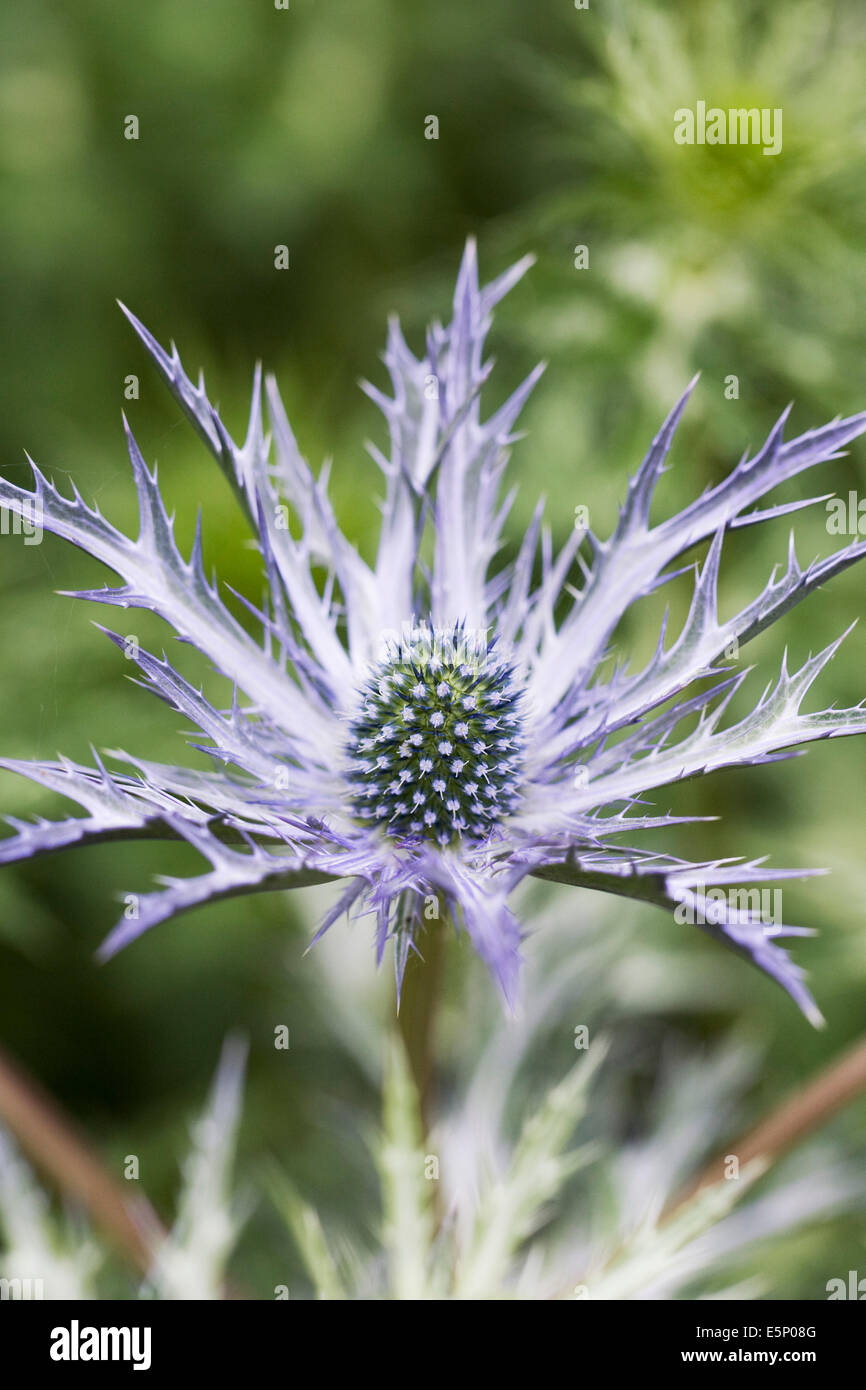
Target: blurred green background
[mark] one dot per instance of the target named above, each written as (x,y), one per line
(305,127)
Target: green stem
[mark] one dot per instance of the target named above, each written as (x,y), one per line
(417,1013)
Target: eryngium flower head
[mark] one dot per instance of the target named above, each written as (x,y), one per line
(436,744)
(439,730)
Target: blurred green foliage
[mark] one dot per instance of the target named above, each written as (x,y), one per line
(305,127)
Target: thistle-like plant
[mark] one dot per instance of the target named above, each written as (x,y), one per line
(510,1194)
(434,725)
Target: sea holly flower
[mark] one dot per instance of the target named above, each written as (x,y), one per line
(429,725)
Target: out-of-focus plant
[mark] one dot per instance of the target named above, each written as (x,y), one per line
(40,1256)
(43,1257)
(751,263)
(511,1193)
(581,1192)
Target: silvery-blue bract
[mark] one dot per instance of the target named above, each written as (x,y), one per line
(436,729)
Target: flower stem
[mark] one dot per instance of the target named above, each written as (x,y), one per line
(417,1014)
(795,1119)
(47,1135)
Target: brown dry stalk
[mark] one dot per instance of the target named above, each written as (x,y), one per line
(51,1141)
(800,1115)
